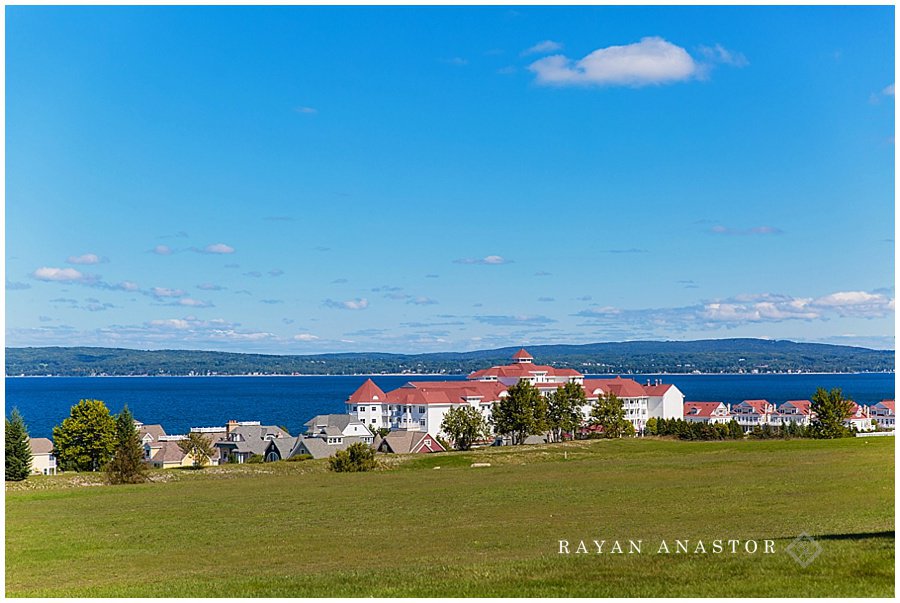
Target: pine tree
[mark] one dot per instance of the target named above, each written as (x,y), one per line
(830,409)
(18,449)
(127,465)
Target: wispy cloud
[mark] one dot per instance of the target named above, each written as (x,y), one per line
(253,274)
(165,292)
(306,110)
(629,250)
(193,303)
(544,47)
(339,281)
(546,299)
(740,232)
(15,286)
(456,61)
(87,258)
(543,273)
(490,260)
(271,301)
(210,287)
(719,54)
(653,60)
(515,320)
(305,337)
(422,301)
(350,304)
(276,272)
(162,250)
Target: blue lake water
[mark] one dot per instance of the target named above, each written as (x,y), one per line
(179,403)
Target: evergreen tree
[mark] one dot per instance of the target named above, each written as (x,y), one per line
(86,440)
(522,412)
(18,448)
(464,425)
(831,409)
(735,430)
(127,465)
(609,413)
(564,410)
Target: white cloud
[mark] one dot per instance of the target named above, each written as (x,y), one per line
(162,250)
(756,230)
(87,258)
(59,275)
(351,304)
(543,48)
(488,260)
(888,91)
(194,303)
(218,248)
(305,337)
(422,301)
(653,60)
(127,286)
(161,292)
(306,110)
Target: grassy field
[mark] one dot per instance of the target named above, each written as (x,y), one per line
(293,529)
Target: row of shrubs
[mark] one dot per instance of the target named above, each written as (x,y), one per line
(688,430)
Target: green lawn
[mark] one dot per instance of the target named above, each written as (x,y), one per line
(293,529)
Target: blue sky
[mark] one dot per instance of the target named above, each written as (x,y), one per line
(303,180)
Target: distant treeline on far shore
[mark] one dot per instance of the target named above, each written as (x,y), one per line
(633,357)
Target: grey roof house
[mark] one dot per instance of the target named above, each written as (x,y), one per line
(334,426)
(243,440)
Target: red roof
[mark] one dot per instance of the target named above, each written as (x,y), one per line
(703,409)
(658,390)
(522,355)
(445,392)
(623,388)
(801,405)
(367,392)
(889,404)
(759,406)
(428,444)
(522,371)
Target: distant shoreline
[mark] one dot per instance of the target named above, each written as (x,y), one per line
(449,375)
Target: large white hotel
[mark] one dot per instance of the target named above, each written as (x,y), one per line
(421,405)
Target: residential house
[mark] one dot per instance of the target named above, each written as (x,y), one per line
(408,442)
(323,447)
(883,413)
(706,412)
(798,412)
(859,418)
(149,433)
(343,425)
(167,454)
(248,438)
(43,462)
(752,413)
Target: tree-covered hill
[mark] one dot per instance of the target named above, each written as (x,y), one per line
(706,356)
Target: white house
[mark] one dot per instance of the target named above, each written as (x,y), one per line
(793,411)
(635,400)
(883,412)
(338,426)
(664,400)
(706,412)
(859,418)
(42,460)
(753,413)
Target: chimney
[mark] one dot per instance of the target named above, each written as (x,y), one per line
(229,427)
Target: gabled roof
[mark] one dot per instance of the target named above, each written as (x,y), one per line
(888,404)
(169,452)
(803,406)
(404,442)
(658,390)
(40,445)
(416,393)
(758,406)
(155,431)
(522,355)
(701,409)
(338,421)
(367,392)
(623,388)
(284,446)
(319,448)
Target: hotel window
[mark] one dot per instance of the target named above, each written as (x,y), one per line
(374,408)
(421,410)
(422,422)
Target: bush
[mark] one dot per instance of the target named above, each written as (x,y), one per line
(357,457)
(299,457)
(255,458)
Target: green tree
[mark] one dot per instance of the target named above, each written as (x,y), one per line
(356,457)
(830,409)
(18,449)
(464,425)
(735,430)
(652,426)
(564,410)
(521,413)
(127,465)
(198,446)
(609,413)
(86,440)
